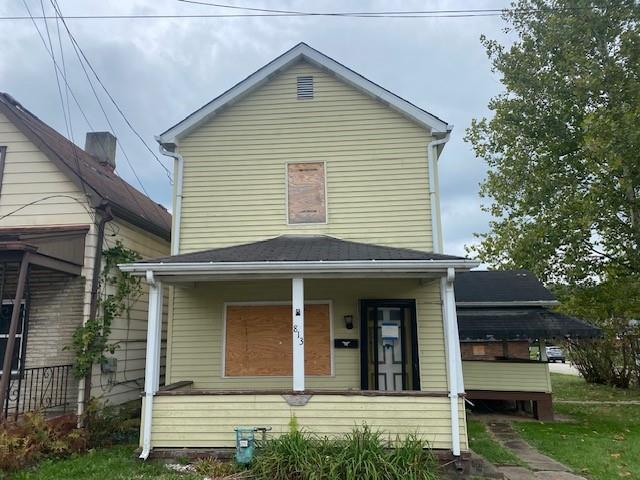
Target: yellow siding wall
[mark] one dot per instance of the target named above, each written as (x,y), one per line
(209,420)
(196,340)
(506,376)
(377,179)
(130,332)
(30,176)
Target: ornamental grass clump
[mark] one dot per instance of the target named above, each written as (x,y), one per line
(361,454)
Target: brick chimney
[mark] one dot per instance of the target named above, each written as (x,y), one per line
(102,145)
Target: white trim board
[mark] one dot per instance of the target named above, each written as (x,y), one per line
(302,51)
(277,302)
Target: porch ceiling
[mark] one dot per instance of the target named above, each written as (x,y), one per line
(309,255)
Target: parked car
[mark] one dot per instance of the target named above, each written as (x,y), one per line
(555,354)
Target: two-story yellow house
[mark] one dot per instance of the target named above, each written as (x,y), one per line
(307,272)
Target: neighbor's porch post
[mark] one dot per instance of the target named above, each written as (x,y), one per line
(454,363)
(152,367)
(13,330)
(297,305)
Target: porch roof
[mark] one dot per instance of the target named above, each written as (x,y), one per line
(520,324)
(302,253)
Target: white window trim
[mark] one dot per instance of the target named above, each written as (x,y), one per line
(286,193)
(283,303)
(18,335)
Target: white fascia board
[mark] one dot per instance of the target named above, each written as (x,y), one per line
(284,268)
(528,303)
(303,52)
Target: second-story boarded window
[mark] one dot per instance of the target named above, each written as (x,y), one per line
(306,193)
(305,88)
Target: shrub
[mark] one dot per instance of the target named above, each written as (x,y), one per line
(33,437)
(214,469)
(109,424)
(363,453)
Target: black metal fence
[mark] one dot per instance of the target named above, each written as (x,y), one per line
(42,388)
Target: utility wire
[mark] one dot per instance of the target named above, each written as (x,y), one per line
(79,49)
(64,72)
(56,7)
(64,77)
(385,14)
(417,14)
(53,57)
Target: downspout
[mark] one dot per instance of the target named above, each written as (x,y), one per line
(152,364)
(105,217)
(432,158)
(453,356)
(178,168)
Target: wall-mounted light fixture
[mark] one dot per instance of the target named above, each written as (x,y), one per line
(348,321)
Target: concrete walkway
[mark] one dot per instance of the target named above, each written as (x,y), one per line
(540,467)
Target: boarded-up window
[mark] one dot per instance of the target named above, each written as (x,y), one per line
(306,192)
(479,350)
(259,341)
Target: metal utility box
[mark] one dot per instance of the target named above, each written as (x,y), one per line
(245,444)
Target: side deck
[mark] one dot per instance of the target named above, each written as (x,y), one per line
(510,380)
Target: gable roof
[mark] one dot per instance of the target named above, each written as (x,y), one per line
(501,287)
(302,248)
(302,51)
(101,184)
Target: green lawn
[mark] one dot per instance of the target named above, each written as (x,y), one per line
(600,441)
(569,387)
(116,463)
(483,444)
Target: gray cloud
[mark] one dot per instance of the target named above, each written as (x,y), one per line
(161,70)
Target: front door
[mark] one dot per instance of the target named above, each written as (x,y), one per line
(389,358)
(390,348)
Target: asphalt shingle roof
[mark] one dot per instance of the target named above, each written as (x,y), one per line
(520,323)
(86,167)
(500,286)
(302,248)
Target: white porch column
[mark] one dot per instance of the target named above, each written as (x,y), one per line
(454,362)
(152,367)
(297,303)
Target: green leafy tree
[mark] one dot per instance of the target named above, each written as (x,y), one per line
(563,145)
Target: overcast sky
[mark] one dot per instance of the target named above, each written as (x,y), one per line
(159,71)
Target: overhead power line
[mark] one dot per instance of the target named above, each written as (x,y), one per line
(58,11)
(113,101)
(258,12)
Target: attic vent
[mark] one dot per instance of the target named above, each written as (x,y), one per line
(305,88)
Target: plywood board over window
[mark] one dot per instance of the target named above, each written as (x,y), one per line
(306,192)
(258,340)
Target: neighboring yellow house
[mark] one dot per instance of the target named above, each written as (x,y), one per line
(307,275)
(60,207)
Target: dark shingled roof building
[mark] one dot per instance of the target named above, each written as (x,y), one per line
(512,305)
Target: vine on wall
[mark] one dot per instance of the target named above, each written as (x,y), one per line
(117,292)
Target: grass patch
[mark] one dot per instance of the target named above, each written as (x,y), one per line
(115,463)
(570,387)
(481,442)
(600,441)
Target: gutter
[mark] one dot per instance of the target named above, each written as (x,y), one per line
(283,268)
(432,158)
(178,167)
(516,303)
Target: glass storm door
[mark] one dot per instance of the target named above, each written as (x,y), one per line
(390,347)
(389,359)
